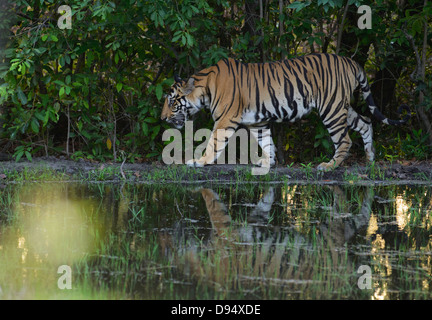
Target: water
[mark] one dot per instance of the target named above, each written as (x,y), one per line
(257,241)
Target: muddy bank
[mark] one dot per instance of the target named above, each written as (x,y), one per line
(147,172)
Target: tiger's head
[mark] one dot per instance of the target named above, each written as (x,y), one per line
(182,102)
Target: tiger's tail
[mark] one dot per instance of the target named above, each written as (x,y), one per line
(364,85)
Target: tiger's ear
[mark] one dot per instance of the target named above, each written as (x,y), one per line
(189,86)
(177,78)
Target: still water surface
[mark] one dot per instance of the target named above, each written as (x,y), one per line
(258,241)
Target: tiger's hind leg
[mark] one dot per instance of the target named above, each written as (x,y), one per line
(262,135)
(337,126)
(362,125)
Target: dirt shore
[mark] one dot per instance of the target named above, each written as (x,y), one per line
(382,171)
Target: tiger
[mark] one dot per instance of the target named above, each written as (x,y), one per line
(253,95)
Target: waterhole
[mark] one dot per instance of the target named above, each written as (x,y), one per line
(218,241)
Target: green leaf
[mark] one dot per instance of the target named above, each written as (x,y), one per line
(21,96)
(119,86)
(150,120)
(54,38)
(18,155)
(297,5)
(145,128)
(177,36)
(46,118)
(22,68)
(121,54)
(156,130)
(39,115)
(35,125)
(326,144)
(28,156)
(42,49)
(56,107)
(152,154)
(14,66)
(189,40)
(159,91)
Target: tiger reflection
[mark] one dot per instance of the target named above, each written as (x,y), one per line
(255,250)
(338,227)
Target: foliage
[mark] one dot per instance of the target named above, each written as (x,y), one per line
(96,90)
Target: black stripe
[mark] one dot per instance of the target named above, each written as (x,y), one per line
(257,100)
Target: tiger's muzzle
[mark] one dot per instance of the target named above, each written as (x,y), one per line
(177,121)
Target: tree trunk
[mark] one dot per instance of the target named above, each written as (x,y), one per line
(349,44)
(419,76)
(340,30)
(422,76)
(281,27)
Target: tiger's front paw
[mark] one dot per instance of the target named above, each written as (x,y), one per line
(263,163)
(326,166)
(195,163)
(267,163)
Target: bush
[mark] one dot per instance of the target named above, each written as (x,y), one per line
(96,90)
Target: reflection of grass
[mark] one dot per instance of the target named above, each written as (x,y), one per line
(305,265)
(157,242)
(283,271)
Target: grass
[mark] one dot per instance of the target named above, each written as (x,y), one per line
(182,173)
(26,174)
(375,171)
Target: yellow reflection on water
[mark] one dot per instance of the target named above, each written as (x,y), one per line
(402,214)
(380,291)
(21,245)
(51,229)
(288,194)
(384,256)
(373,226)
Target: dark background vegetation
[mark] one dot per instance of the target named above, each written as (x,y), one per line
(95,91)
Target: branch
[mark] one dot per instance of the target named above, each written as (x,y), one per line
(161,69)
(414,74)
(339,38)
(425,35)
(24,16)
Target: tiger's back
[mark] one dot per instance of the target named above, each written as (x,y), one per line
(285,90)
